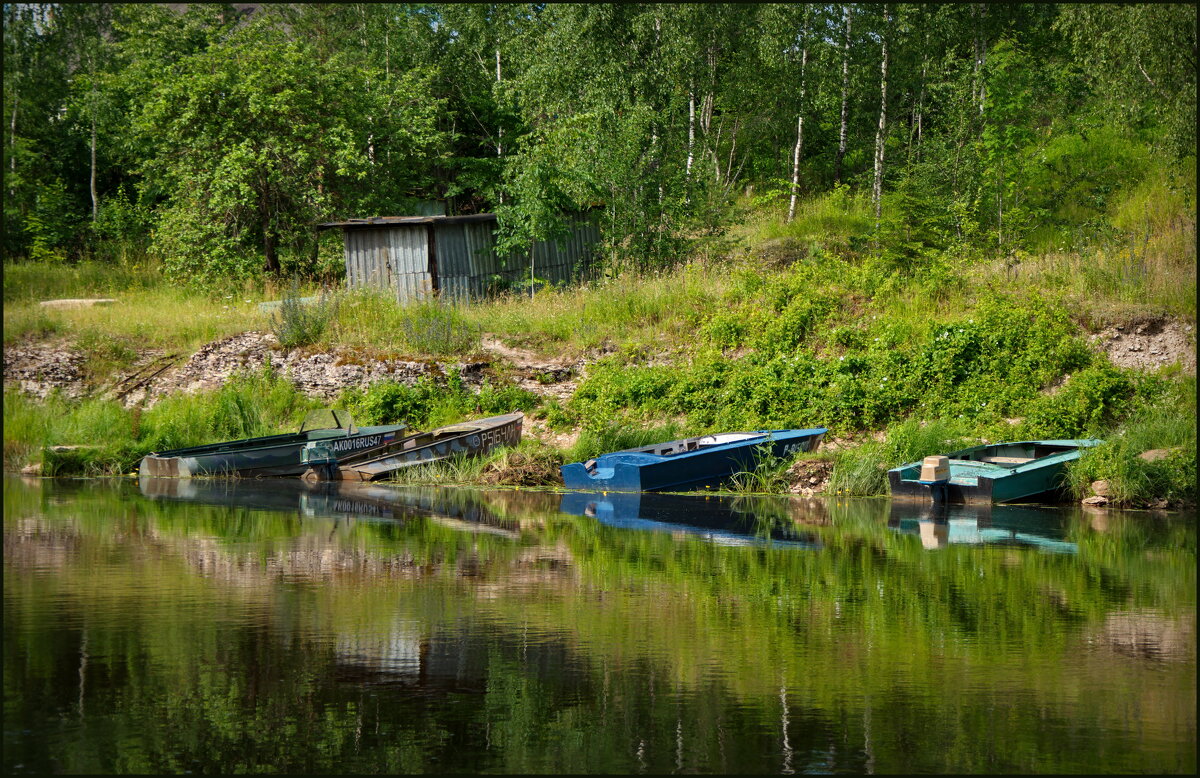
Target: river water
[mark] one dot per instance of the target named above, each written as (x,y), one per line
(204,626)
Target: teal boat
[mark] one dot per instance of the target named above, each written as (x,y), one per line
(994,473)
(273,455)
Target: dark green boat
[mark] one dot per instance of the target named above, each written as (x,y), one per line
(995,473)
(273,455)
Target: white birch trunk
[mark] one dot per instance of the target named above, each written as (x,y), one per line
(877,191)
(691,132)
(799,127)
(845,94)
(92,182)
(499,130)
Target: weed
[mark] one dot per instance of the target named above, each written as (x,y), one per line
(438,328)
(429,403)
(768,476)
(303,322)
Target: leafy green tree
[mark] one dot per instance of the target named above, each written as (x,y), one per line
(253,140)
(1142,58)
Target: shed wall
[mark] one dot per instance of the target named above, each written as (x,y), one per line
(396,257)
(393,258)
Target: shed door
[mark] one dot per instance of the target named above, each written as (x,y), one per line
(392,258)
(408,253)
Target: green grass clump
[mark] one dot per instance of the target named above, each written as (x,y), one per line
(301,323)
(768,476)
(1167,423)
(428,403)
(530,463)
(618,437)
(372,318)
(438,328)
(863,470)
(115,438)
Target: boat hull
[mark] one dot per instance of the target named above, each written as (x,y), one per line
(272,456)
(706,467)
(469,439)
(976,479)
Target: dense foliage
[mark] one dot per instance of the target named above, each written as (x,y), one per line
(214,139)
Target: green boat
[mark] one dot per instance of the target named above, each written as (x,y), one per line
(994,473)
(273,455)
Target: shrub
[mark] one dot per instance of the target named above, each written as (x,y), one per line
(429,403)
(300,322)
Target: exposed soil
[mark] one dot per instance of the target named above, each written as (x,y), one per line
(809,476)
(556,379)
(1149,344)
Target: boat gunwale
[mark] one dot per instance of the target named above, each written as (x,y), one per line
(1074,448)
(274,441)
(755,435)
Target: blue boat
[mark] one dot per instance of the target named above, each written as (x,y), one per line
(703,462)
(995,473)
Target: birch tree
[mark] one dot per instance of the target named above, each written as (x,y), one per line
(841,152)
(877,190)
(799,119)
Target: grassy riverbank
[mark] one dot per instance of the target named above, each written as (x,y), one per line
(787,325)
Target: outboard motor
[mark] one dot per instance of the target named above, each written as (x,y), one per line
(322,462)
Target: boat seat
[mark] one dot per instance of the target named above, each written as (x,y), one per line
(1006,460)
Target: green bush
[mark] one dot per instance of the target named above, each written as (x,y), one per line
(429,403)
(1164,418)
(303,323)
(980,367)
(1091,400)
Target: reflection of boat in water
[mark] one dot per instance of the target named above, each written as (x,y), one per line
(1003,525)
(319,500)
(457,509)
(723,520)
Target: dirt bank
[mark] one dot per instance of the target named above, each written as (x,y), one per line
(39,367)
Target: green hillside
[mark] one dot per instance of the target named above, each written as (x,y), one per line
(912,224)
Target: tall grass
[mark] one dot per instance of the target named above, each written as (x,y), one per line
(372,319)
(617,437)
(1168,424)
(863,470)
(831,219)
(34,281)
(248,405)
(160,317)
(530,463)
(655,311)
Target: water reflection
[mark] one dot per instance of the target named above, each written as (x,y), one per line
(730,521)
(280,627)
(998,525)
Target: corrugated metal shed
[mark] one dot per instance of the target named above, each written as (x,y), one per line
(454,256)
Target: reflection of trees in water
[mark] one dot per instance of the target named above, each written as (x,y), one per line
(557,625)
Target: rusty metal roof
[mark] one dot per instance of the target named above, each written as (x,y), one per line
(393,221)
